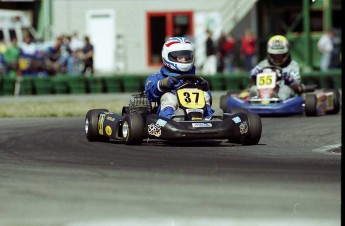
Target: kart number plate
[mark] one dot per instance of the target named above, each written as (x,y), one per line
(191,98)
(266,80)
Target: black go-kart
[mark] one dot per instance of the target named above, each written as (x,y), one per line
(139,120)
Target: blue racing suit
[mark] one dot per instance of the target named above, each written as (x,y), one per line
(154,93)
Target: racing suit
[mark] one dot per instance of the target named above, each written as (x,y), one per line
(168,100)
(287,86)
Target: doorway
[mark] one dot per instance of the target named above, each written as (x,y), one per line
(100,27)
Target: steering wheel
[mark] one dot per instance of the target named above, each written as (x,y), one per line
(190,77)
(277,69)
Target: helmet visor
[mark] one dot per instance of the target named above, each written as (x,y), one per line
(278,58)
(182,56)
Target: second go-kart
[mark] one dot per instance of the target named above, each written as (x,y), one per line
(268,103)
(139,120)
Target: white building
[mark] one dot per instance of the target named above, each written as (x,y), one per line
(128,34)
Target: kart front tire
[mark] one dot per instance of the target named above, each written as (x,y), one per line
(237,110)
(310,105)
(254,131)
(223,103)
(133,129)
(91,125)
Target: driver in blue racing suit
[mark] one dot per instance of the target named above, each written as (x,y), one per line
(178,59)
(278,55)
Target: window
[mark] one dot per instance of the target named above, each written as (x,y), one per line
(161,25)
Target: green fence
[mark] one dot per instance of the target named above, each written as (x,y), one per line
(76,84)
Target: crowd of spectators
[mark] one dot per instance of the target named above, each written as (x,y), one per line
(227,54)
(67,55)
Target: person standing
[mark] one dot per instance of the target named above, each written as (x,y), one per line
(220,53)
(210,65)
(229,55)
(88,56)
(325,46)
(248,50)
(11,57)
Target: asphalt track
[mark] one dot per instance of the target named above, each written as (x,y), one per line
(50,175)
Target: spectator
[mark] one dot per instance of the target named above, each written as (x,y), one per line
(335,59)
(248,51)
(76,47)
(2,51)
(325,46)
(53,56)
(220,53)
(88,56)
(28,47)
(228,49)
(76,44)
(66,52)
(30,59)
(11,57)
(210,65)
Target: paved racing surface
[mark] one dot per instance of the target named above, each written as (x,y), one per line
(51,175)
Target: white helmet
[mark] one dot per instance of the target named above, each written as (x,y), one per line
(278,50)
(178,54)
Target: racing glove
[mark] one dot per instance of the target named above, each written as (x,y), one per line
(167,83)
(298,88)
(205,86)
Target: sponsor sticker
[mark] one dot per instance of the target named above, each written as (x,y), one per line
(154,129)
(161,122)
(108,130)
(236,119)
(194,110)
(110,118)
(100,123)
(201,124)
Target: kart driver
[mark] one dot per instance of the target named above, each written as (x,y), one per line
(278,55)
(178,59)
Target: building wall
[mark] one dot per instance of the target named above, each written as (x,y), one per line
(69,16)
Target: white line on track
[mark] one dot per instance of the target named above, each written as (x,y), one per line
(328,149)
(207,222)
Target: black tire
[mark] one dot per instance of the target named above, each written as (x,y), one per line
(336,101)
(223,103)
(91,125)
(236,110)
(254,131)
(310,105)
(134,125)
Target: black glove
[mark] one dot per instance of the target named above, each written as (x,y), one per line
(167,83)
(299,89)
(205,86)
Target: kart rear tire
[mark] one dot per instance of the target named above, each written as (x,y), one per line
(336,101)
(91,125)
(254,131)
(223,103)
(133,125)
(310,105)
